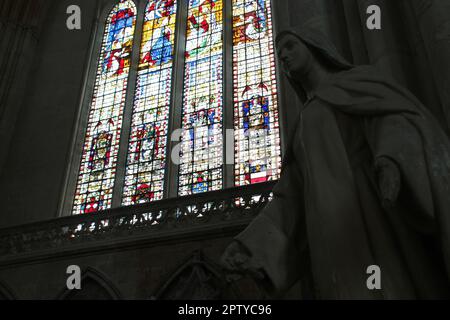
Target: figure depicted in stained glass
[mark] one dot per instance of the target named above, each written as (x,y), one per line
(252,24)
(118,51)
(159,51)
(159,9)
(203,23)
(256,114)
(158,37)
(144,194)
(200,183)
(211,122)
(92,206)
(100,152)
(147,146)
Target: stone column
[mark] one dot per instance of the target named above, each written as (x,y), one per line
(433,19)
(20,22)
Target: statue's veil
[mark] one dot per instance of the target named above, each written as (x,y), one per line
(319,45)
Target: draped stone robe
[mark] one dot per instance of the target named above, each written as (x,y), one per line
(326,206)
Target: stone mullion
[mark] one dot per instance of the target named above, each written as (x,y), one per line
(228,105)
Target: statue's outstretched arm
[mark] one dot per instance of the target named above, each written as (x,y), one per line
(273,243)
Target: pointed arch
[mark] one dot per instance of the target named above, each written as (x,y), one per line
(196,279)
(97,169)
(146,161)
(94,286)
(199,278)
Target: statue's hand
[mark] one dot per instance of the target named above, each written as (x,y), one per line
(389,181)
(237,261)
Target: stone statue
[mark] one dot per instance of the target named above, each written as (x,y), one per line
(365,181)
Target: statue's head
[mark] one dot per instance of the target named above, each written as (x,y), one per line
(300,48)
(294,55)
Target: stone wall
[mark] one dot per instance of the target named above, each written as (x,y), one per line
(44,100)
(151,271)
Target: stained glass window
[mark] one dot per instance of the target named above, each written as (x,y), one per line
(98,164)
(257,137)
(146,161)
(201,147)
(254,104)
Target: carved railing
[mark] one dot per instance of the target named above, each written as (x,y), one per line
(183,214)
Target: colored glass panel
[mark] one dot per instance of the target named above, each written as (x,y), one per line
(146,161)
(201,154)
(256,123)
(99,157)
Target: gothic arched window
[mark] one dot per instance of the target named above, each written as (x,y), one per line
(257,135)
(146,162)
(199,67)
(99,157)
(202,142)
